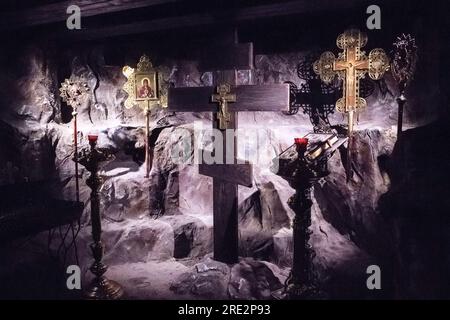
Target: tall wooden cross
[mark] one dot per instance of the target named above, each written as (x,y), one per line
(351,65)
(225,100)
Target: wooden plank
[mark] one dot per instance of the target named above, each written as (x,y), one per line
(204,19)
(227,57)
(191,99)
(226,234)
(56,12)
(271,97)
(241,174)
(225,194)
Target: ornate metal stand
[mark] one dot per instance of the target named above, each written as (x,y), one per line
(74,93)
(403,66)
(144,70)
(100,287)
(301,283)
(148,159)
(302,168)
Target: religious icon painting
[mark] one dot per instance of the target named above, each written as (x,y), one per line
(145,86)
(142,85)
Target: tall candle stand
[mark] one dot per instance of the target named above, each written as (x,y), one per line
(100,287)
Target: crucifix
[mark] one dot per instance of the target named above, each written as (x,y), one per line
(225,100)
(351,65)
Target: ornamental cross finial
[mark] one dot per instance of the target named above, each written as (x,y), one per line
(223,97)
(351,65)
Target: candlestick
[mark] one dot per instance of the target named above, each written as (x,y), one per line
(100,287)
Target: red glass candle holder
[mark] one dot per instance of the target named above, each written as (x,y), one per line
(92,138)
(301,142)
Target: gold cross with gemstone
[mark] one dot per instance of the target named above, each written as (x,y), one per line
(351,65)
(223,97)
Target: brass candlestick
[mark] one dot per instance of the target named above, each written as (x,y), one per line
(100,287)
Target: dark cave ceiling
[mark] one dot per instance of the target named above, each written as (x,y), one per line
(274,25)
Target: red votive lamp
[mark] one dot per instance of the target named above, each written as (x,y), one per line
(92,138)
(301,142)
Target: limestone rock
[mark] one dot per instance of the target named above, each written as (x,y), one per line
(209,279)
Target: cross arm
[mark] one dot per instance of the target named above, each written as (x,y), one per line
(191,99)
(271,97)
(241,174)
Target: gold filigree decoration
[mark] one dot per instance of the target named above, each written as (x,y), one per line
(143,86)
(324,67)
(73,91)
(351,66)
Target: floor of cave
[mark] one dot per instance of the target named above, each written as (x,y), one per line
(34,274)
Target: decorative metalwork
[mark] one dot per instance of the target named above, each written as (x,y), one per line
(223,97)
(405,58)
(303,165)
(74,92)
(316,98)
(351,66)
(403,67)
(100,287)
(143,90)
(142,86)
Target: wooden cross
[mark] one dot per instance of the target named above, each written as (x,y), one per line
(228,57)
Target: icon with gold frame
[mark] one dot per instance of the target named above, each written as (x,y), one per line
(142,85)
(143,90)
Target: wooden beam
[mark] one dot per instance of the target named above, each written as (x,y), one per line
(191,99)
(227,57)
(270,97)
(56,12)
(241,174)
(204,19)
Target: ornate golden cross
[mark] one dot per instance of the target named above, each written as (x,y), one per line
(223,96)
(351,65)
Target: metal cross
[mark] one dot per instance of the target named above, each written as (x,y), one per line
(351,65)
(223,96)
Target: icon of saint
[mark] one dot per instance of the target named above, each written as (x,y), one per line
(145,91)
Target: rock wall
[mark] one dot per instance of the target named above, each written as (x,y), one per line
(169,215)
